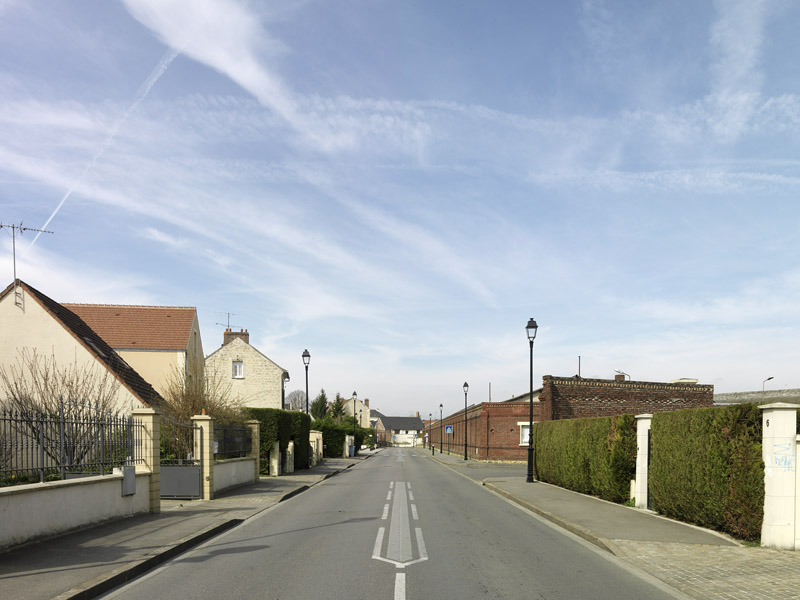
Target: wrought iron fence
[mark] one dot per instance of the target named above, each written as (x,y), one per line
(75,441)
(232,441)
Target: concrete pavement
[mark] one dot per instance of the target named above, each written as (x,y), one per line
(695,562)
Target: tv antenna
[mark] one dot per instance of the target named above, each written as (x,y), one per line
(230,314)
(14,229)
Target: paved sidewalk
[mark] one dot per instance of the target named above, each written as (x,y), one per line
(695,562)
(87,563)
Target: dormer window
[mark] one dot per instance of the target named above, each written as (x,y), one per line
(238,369)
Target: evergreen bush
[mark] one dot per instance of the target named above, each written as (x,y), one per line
(595,456)
(706,468)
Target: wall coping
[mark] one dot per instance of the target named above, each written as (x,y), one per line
(651,385)
(33,488)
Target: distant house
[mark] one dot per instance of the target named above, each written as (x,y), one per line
(361,410)
(160,342)
(254,379)
(398,431)
(32,322)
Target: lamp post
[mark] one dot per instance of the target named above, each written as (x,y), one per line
(441,439)
(306,361)
(763,389)
(355,396)
(430,430)
(466,389)
(530,329)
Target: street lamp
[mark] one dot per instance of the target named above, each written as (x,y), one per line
(441,439)
(530,329)
(466,389)
(765,381)
(355,396)
(306,360)
(429,435)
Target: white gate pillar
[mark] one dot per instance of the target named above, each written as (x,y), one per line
(779,451)
(643,423)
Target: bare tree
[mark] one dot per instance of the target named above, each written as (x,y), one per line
(36,383)
(61,407)
(296,400)
(190,394)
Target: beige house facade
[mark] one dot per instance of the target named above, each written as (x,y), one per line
(32,324)
(361,410)
(159,342)
(254,379)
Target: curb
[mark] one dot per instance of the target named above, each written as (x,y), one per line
(582,533)
(585,534)
(103,583)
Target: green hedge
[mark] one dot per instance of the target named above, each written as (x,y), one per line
(282,426)
(594,456)
(706,468)
(333,436)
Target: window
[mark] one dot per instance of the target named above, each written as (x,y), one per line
(238,369)
(523,432)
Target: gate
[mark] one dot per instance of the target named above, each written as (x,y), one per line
(181,459)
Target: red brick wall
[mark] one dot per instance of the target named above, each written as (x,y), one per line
(572,398)
(493,432)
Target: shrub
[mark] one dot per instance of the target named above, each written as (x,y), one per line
(282,426)
(333,435)
(592,456)
(706,468)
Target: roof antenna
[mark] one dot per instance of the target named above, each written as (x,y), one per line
(230,314)
(21,229)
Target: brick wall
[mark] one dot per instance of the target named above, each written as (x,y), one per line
(570,398)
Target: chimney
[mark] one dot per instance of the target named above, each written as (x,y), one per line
(229,336)
(418,414)
(366,402)
(619,377)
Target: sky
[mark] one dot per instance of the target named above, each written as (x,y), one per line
(399,186)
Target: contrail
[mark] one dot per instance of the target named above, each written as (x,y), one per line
(141,94)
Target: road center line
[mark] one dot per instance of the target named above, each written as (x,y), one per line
(413,512)
(400,586)
(410,495)
(389,495)
(385,512)
(399,546)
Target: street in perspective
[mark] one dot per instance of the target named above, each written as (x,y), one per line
(417,300)
(399,525)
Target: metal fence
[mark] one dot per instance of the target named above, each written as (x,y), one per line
(232,441)
(74,441)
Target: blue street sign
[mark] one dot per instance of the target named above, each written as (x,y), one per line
(448,429)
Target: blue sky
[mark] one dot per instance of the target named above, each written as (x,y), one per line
(399,186)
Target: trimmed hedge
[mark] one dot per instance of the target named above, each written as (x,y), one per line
(706,468)
(333,436)
(282,426)
(594,456)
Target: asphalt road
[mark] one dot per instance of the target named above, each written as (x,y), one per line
(397,526)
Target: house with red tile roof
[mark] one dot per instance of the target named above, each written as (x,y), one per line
(32,322)
(160,342)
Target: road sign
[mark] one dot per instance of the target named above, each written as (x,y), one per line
(448,429)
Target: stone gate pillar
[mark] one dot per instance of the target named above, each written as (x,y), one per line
(779,450)
(643,423)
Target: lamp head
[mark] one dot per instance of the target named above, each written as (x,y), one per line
(531,329)
(306,357)
(466,387)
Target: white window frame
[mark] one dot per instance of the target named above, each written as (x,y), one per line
(523,427)
(237,373)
